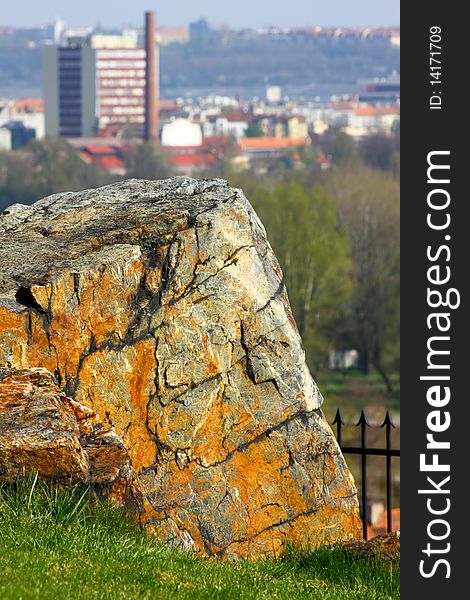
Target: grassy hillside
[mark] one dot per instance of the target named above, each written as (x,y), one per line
(55,546)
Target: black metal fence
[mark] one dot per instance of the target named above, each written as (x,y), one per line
(364,451)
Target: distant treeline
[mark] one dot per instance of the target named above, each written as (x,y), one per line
(237,61)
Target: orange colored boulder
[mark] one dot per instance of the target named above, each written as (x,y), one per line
(160,307)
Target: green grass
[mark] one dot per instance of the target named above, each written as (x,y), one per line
(55,545)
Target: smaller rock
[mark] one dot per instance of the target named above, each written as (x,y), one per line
(384,546)
(37,431)
(45,432)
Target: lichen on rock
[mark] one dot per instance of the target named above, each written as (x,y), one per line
(160,306)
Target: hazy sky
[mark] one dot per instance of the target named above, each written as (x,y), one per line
(235,13)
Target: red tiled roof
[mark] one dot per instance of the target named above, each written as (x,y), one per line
(166,104)
(98,141)
(107,162)
(271,143)
(195,156)
(99,150)
(191,160)
(373,111)
(110,162)
(208,143)
(30,105)
(237,116)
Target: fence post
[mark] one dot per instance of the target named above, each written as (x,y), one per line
(339,427)
(363,423)
(388,434)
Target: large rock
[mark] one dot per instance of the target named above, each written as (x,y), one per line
(161,307)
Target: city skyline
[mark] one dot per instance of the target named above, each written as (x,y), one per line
(182,12)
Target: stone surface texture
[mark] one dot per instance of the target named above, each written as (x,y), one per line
(160,307)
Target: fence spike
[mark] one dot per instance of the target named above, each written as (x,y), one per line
(362,419)
(388,420)
(338,418)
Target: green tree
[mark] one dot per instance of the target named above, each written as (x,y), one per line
(344,149)
(340,146)
(147,161)
(380,151)
(368,205)
(254,130)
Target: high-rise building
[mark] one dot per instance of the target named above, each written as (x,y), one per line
(98,83)
(70,91)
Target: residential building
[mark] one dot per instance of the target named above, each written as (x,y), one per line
(233,123)
(29,111)
(373,119)
(209,152)
(15,135)
(268,147)
(290,126)
(172,35)
(282,126)
(181,133)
